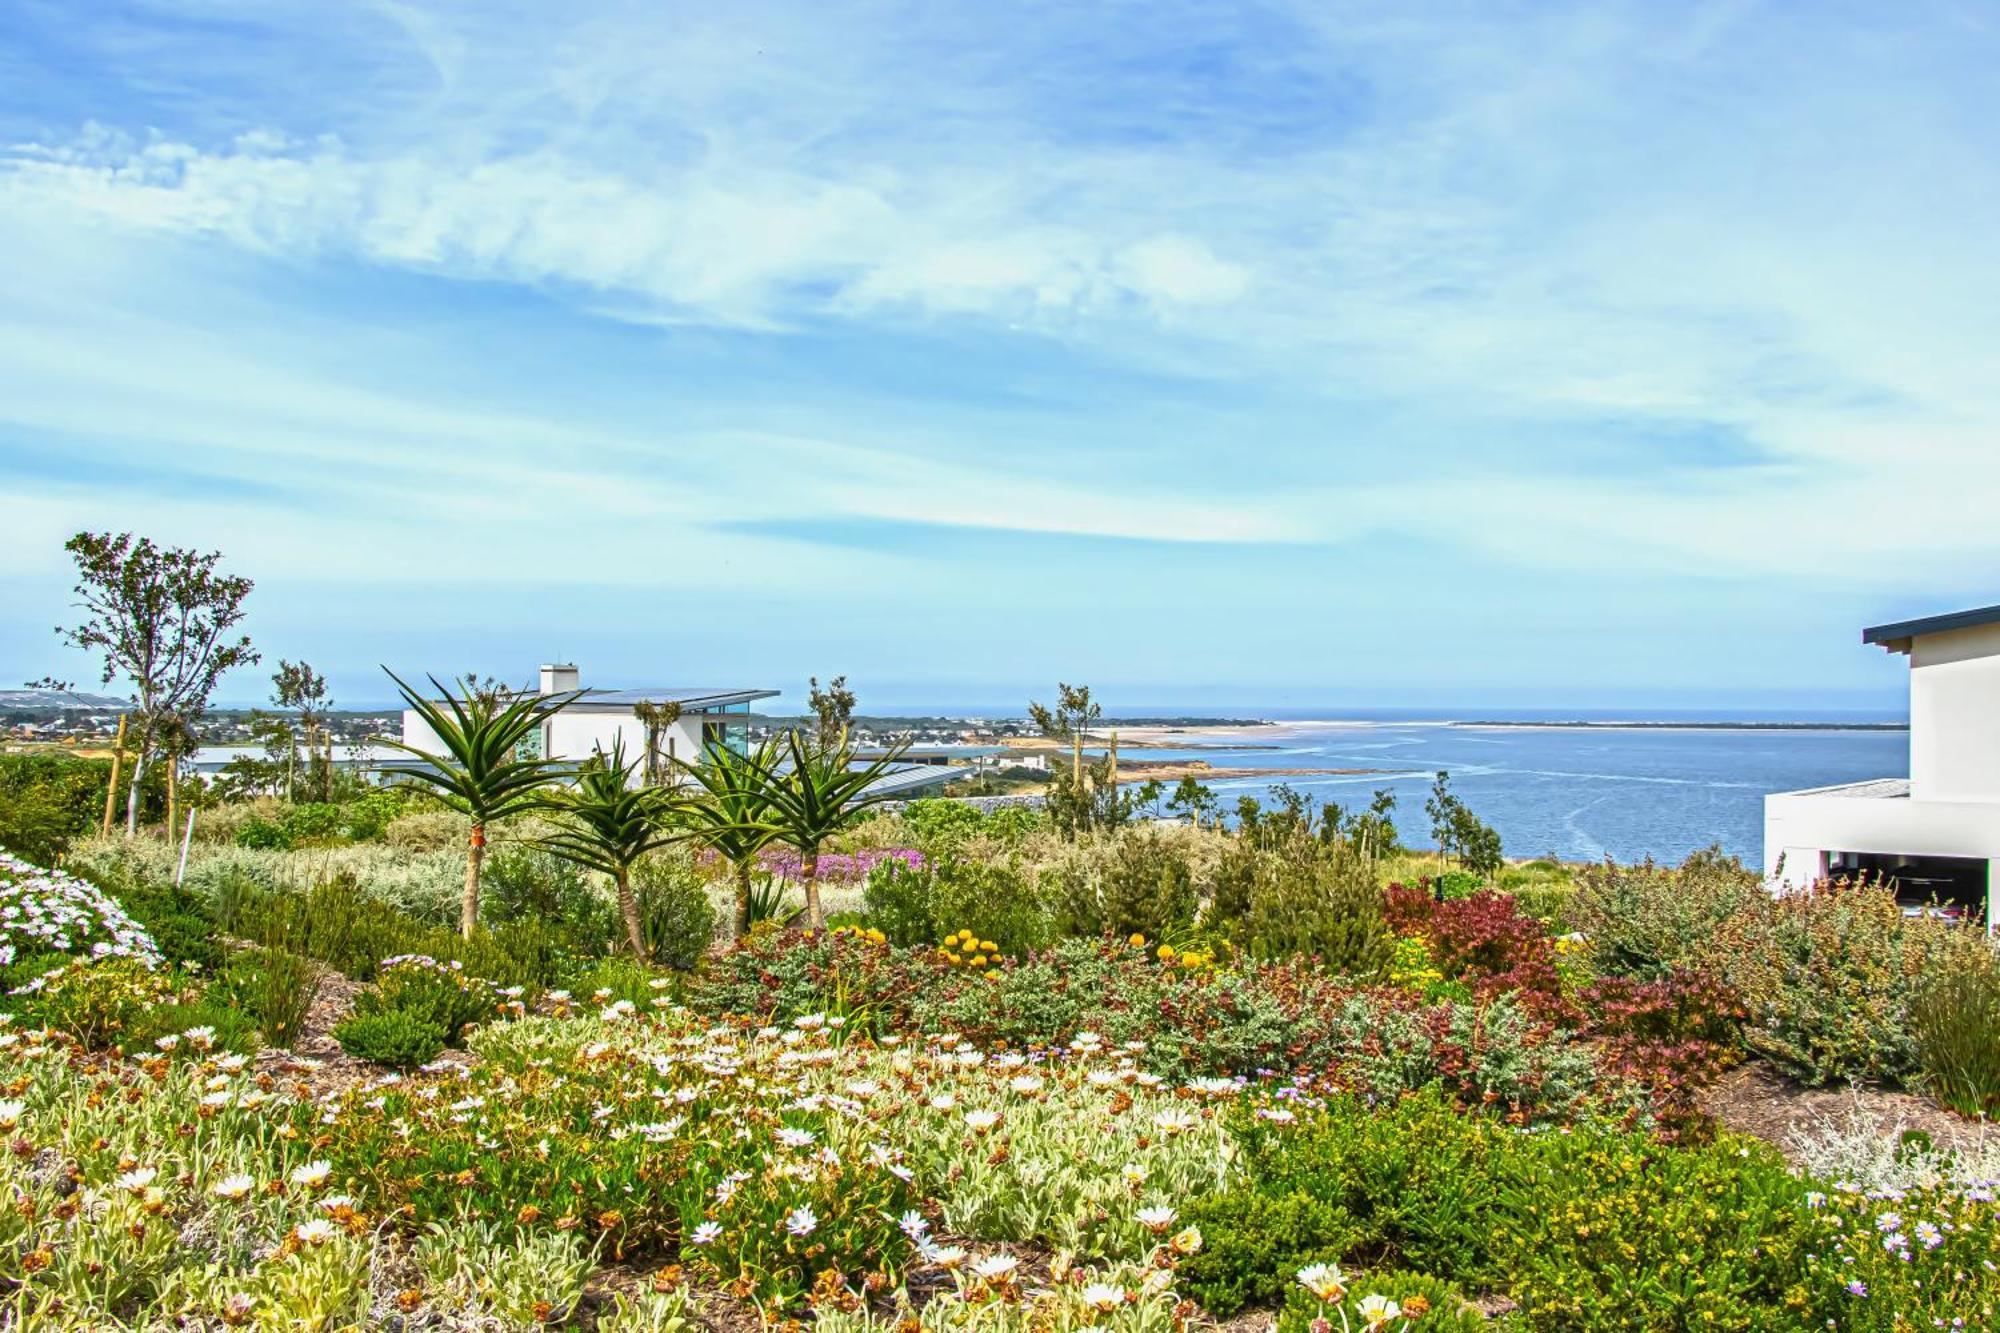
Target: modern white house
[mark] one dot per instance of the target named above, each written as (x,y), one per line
(1936,833)
(600,719)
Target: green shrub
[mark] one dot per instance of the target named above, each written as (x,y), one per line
(918,905)
(1427,1303)
(1605,1230)
(1644,921)
(365,818)
(938,824)
(230,1029)
(529,884)
(1142,886)
(676,919)
(49,801)
(263,835)
(1455,884)
(400,1038)
(1409,1183)
(333,922)
(1953,1019)
(441,993)
(99,1003)
(1253,1240)
(619,977)
(1828,976)
(1302,899)
(180,923)
(272,988)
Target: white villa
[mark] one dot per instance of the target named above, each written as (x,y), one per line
(1936,833)
(599,719)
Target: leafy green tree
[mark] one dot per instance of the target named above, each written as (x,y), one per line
(480,772)
(822,790)
(833,709)
(730,812)
(1442,806)
(301,691)
(609,822)
(161,618)
(1194,800)
(1069,720)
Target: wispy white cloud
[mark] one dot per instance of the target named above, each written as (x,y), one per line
(1677,291)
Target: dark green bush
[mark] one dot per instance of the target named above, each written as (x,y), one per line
(177,919)
(1254,1240)
(48,801)
(1410,1184)
(676,919)
(528,884)
(400,1038)
(263,835)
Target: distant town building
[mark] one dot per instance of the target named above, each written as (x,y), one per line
(1936,833)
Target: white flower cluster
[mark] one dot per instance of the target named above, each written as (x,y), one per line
(48,911)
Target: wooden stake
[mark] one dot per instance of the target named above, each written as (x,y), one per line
(111,791)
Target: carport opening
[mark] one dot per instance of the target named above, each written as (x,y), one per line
(1952,886)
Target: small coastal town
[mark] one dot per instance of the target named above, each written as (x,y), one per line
(1230,667)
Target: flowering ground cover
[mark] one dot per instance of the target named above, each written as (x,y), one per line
(1480,1118)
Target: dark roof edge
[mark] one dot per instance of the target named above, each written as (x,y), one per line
(1904,630)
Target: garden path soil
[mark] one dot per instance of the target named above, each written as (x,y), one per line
(1754,1099)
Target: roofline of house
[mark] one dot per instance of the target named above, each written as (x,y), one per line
(1896,637)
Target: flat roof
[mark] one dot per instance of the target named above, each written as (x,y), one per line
(1896,637)
(686,698)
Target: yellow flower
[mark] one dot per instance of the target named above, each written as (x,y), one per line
(988,946)
(979,960)
(1137,941)
(1166,954)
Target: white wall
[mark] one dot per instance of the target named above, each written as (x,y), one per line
(1955,715)
(577,734)
(1800,828)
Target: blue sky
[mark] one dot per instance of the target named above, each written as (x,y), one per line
(1295,354)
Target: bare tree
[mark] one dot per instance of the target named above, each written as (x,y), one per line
(161,617)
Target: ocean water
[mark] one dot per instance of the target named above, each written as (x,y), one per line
(1578,793)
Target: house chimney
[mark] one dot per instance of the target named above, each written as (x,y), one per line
(559,677)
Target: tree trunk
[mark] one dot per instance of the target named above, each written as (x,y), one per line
(809,867)
(111,790)
(132,797)
(628,906)
(742,926)
(173,804)
(475,854)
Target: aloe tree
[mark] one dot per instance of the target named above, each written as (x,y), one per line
(480,771)
(729,811)
(609,823)
(822,791)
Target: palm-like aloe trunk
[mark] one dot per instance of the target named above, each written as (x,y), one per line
(475,855)
(809,867)
(742,898)
(628,907)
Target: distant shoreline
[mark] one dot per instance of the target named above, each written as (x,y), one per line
(1690,726)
